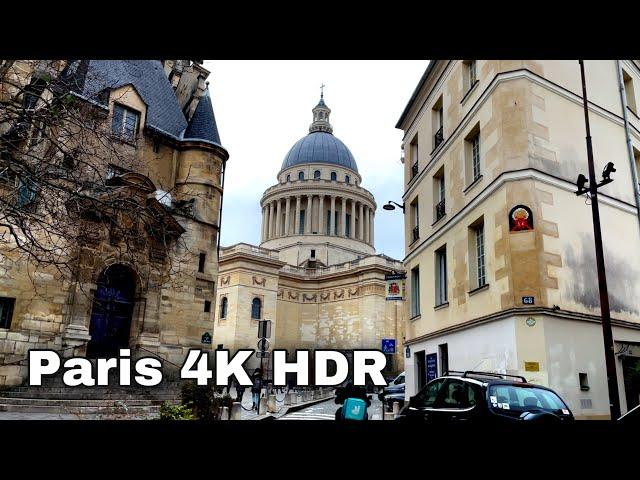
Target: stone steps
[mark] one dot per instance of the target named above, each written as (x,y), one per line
(79,402)
(145,411)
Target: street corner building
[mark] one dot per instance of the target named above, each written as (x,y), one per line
(500,255)
(111,185)
(316,274)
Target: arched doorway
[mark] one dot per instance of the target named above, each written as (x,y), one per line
(113,305)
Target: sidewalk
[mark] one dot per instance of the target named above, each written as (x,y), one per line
(248,414)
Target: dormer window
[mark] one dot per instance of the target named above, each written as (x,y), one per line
(125,123)
(334,176)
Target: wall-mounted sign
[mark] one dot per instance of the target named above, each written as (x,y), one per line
(531,322)
(206,338)
(388,345)
(264,329)
(407,352)
(531,366)
(528,300)
(432,366)
(395,289)
(520,219)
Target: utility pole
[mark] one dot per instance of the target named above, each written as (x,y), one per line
(610,360)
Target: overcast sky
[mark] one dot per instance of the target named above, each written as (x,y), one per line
(263,107)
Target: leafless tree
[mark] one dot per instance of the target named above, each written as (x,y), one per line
(65,178)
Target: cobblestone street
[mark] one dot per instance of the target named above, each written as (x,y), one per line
(327,410)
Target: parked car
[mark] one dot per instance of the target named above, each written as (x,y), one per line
(391,398)
(485,396)
(394,386)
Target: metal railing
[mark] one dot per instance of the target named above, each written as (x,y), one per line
(416,233)
(25,357)
(438,138)
(440,209)
(414,169)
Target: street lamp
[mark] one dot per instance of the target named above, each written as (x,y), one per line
(388,206)
(592,189)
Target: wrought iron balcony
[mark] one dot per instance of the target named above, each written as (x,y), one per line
(440,209)
(438,138)
(416,233)
(414,169)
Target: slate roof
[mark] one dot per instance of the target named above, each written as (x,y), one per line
(320,147)
(203,123)
(151,83)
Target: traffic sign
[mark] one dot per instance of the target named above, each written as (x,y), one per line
(264,328)
(262,354)
(388,345)
(263,344)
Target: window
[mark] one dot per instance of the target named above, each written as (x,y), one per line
(125,123)
(414,157)
(288,178)
(439,194)
(347,179)
(313,253)
(6,311)
(438,123)
(207,306)
(256,309)
(302,219)
(32,94)
(201,262)
(415,220)
(156,146)
(629,92)
(441,276)
(415,291)
(223,307)
(443,350)
(457,394)
(300,175)
(584,381)
(477,270)
(347,233)
(316,175)
(334,176)
(427,397)
(327,223)
(469,74)
(472,155)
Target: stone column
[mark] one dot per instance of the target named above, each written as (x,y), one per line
(296,221)
(372,227)
(366,224)
(308,214)
(343,218)
(270,230)
(278,217)
(361,223)
(264,217)
(353,219)
(332,227)
(286,216)
(321,227)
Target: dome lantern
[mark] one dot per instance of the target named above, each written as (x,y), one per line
(321,116)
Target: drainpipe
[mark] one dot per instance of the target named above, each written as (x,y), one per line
(224,172)
(627,131)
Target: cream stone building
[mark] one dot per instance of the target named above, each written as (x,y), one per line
(315,275)
(500,254)
(160,115)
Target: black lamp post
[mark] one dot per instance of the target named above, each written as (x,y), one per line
(592,189)
(389,206)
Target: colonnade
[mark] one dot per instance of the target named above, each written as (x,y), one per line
(333,215)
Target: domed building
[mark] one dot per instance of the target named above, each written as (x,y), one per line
(316,274)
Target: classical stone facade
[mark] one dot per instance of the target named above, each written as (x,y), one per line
(315,275)
(160,295)
(500,255)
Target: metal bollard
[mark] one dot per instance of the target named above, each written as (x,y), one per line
(225,413)
(287,399)
(388,415)
(396,409)
(271,404)
(236,411)
(262,406)
(298,398)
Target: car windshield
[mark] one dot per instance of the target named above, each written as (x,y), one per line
(515,399)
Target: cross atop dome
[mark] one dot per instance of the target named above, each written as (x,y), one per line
(321,116)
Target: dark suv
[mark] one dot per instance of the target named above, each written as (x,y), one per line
(483,396)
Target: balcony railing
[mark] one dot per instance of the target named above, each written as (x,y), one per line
(416,233)
(438,138)
(440,209)
(414,169)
